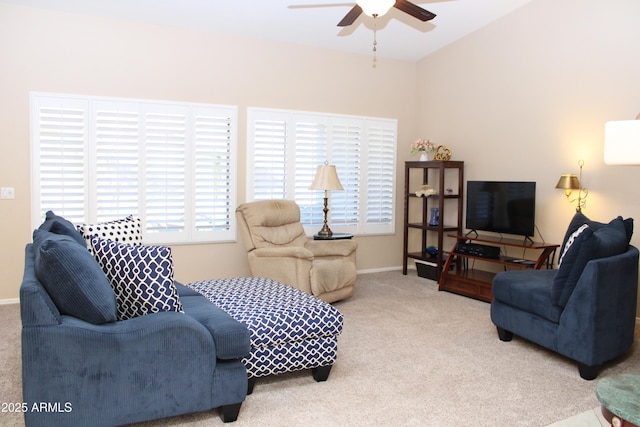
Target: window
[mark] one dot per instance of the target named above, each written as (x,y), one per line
(285,148)
(171,164)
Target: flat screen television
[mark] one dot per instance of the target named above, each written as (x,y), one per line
(501,206)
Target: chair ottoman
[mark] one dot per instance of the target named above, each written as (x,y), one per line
(289,329)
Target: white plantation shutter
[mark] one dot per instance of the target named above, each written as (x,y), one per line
(171,164)
(286,147)
(381,170)
(345,154)
(165,145)
(116,154)
(268,165)
(311,151)
(214,170)
(59,144)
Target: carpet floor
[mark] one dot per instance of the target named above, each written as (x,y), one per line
(408,356)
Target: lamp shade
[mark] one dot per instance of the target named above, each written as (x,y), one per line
(375,7)
(326,179)
(622,142)
(568,181)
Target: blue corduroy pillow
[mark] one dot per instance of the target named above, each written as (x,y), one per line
(59,225)
(73,278)
(141,276)
(580,219)
(587,242)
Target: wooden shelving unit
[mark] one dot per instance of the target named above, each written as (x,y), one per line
(434,174)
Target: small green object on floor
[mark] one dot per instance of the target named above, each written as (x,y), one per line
(620,399)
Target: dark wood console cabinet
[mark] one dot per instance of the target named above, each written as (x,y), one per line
(459,278)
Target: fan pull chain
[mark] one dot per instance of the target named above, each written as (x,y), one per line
(375,41)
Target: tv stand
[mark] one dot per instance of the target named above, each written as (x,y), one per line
(477,237)
(458,277)
(472,231)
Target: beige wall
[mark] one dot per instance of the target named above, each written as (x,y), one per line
(527,97)
(66,53)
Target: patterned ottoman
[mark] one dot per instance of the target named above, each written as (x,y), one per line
(290,329)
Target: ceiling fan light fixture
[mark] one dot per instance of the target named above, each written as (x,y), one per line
(375,7)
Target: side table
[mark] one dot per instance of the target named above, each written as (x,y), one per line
(620,399)
(334,236)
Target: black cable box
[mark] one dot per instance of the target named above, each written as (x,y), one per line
(475,249)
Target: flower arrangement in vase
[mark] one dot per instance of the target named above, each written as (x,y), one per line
(423,146)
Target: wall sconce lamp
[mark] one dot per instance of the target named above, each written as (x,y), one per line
(569,182)
(326,179)
(622,142)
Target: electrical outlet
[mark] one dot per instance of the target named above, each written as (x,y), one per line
(7,193)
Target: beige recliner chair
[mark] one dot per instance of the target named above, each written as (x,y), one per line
(279,249)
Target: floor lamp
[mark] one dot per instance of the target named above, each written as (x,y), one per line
(326,179)
(622,142)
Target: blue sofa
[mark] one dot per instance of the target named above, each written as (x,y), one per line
(83,367)
(584,310)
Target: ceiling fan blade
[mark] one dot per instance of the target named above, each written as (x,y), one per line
(351,16)
(316,6)
(413,10)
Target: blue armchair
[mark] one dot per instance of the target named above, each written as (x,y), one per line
(584,310)
(104,373)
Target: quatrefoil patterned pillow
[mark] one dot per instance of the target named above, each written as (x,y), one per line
(127,230)
(141,277)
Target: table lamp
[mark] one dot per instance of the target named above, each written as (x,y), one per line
(326,179)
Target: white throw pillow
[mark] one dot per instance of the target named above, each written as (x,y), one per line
(127,230)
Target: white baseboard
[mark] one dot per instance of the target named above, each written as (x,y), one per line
(9,301)
(379,270)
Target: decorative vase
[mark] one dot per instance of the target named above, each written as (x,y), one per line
(423,156)
(435,216)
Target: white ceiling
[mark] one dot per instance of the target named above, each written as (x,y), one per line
(399,35)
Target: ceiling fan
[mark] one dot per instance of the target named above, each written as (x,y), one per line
(376,8)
